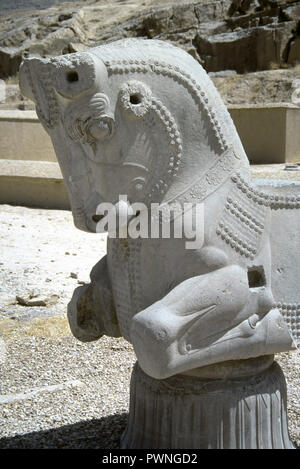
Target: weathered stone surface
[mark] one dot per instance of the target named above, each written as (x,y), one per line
(241,7)
(87,69)
(275,129)
(294,52)
(265,87)
(72,47)
(18,129)
(285,261)
(241,36)
(10,61)
(32,184)
(292,12)
(142,118)
(44,33)
(244,50)
(261,32)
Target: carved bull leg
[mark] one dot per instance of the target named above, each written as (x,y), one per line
(197,321)
(91,311)
(181,333)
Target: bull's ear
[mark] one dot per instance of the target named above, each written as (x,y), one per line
(49,82)
(77,74)
(35,83)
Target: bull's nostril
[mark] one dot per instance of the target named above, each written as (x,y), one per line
(97,218)
(72,76)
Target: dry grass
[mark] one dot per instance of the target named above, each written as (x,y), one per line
(35,327)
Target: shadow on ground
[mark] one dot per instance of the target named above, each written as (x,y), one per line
(104,433)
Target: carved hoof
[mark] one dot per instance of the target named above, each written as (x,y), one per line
(82,320)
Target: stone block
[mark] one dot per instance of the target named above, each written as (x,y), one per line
(32,184)
(269,133)
(245,50)
(23,138)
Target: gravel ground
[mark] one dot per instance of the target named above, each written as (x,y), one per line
(56,392)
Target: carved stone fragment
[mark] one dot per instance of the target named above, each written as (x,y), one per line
(142,119)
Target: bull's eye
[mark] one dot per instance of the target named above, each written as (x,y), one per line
(135,97)
(99,129)
(72,76)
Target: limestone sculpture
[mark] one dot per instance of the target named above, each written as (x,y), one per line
(142,118)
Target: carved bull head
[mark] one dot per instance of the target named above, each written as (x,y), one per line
(142,119)
(129,118)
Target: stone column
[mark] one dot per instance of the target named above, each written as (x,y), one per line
(194,412)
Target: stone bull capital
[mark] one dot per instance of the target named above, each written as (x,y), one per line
(142,119)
